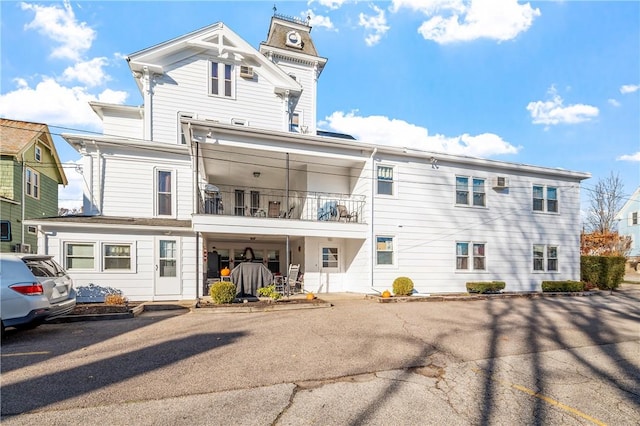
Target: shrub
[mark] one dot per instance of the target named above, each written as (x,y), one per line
(606,272)
(115,299)
(562,286)
(485,286)
(222,292)
(402,286)
(269,291)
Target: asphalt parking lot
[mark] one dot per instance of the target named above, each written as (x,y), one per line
(497,361)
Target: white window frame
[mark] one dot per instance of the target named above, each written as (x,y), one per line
(156,191)
(470,256)
(470,190)
(131,257)
(545,200)
(633,218)
(546,258)
(220,80)
(392,181)
(37,154)
(381,250)
(335,251)
(32,183)
(66,256)
(31,229)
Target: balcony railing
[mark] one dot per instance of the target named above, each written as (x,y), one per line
(274,204)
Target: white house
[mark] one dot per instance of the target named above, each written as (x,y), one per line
(225,154)
(629,223)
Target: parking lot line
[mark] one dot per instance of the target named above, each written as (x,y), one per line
(26,354)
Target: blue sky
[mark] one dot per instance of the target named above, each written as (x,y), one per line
(553,83)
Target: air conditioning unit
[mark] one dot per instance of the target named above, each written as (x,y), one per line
(246,72)
(500,182)
(22,248)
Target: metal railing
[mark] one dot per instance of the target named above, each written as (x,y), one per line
(274,204)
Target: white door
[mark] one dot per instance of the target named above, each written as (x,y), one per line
(167,267)
(330,277)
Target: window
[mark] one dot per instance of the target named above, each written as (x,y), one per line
(330,257)
(545,258)
(479,198)
(5,230)
(294,126)
(221,79)
(79,256)
(164,193)
(384,250)
(634,218)
(32,183)
(474,259)
(38,154)
(385,180)
(168,258)
(31,229)
(116,256)
(539,199)
(255,203)
(239,203)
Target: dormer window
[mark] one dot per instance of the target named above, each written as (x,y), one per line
(293,39)
(38,154)
(221,82)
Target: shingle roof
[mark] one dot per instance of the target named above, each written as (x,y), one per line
(16,135)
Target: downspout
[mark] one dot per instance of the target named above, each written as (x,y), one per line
(100,197)
(373,197)
(196,196)
(22,198)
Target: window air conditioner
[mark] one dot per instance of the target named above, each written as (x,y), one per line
(22,248)
(500,182)
(246,72)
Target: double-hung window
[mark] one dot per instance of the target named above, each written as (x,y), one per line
(477,190)
(384,250)
(79,256)
(470,256)
(116,257)
(545,198)
(545,257)
(221,83)
(164,192)
(385,180)
(38,154)
(32,183)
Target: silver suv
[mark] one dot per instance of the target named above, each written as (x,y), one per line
(33,289)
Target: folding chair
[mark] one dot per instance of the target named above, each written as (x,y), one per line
(292,282)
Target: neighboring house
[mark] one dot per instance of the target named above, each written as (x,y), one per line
(629,223)
(225,154)
(30,172)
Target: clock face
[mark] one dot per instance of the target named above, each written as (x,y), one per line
(293,38)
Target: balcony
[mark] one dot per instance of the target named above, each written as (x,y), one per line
(275,204)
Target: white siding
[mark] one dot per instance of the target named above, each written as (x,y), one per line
(122,126)
(185,88)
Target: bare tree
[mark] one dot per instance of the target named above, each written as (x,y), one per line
(606,200)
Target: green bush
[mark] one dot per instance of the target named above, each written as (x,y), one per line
(485,286)
(269,291)
(562,286)
(605,272)
(222,292)
(402,286)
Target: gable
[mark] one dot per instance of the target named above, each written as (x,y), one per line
(216,41)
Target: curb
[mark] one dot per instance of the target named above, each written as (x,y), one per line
(248,309)
(471,297)
(133,312)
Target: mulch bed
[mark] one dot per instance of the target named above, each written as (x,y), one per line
(260,303)
(100,308)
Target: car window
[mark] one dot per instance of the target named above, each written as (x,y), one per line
(43,268)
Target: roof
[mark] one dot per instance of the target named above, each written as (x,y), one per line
(114,221)
(281,25)
(17,136)
(633,201)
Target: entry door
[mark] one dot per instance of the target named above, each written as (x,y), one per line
(167,267)
(329,269)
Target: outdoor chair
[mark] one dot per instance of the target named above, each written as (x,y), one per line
(292,285)
(343,213)
(274,209)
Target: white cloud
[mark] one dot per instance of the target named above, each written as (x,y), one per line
(70,196)
(554,111)
(318,20)
(60,25)
(381,130)
(465,20)
(49,102)
(90,73)
(613,102)
(630,157)
(375,23)
(331,4)
(629,88)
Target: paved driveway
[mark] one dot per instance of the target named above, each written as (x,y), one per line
(499,361)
